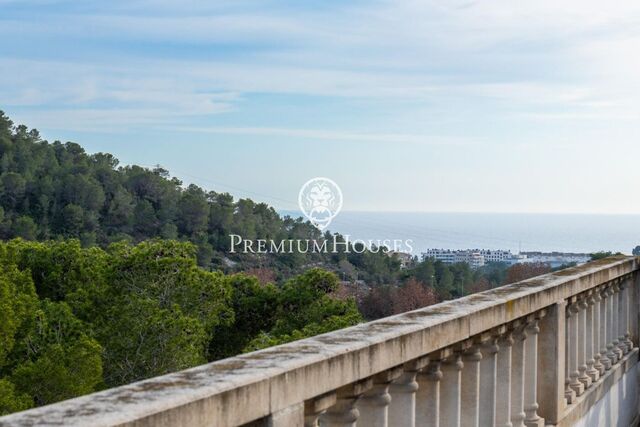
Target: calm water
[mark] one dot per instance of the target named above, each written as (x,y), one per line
(526,232)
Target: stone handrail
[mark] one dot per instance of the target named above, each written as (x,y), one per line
(535,348)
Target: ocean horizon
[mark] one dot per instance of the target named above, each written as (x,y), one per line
(518,232)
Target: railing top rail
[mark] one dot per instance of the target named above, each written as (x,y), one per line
(250,386)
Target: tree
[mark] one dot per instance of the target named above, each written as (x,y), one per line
(63,271)
(411,296)
(376,304)
(45,354)
(193,211)
(255,309)
(444,280)
(160,310)
(523,271)
(425,272)
(12,188)
(347,270)
(636,251)
(266,315)
(18,303)
(264,275)
(60,360)
(72,220)
(145,222)
(482,284)
(11,400)
(25,228)
(600,255)
(75,319)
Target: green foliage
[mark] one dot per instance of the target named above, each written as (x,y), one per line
(57,359)
(305,300)
(25,228)
(267,314)
(494,272)
(161,307)
(143,340)
(306,308)
(74,320)
(12,401)
(18,304)
(45,353)
(255,309)
(603,254)
(62,270)
(600,255)
(56,190)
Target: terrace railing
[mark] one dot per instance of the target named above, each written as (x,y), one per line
(540,352)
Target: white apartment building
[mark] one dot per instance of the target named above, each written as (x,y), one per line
(497,255)
(472,257)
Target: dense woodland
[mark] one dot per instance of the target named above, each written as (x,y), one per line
(74,320)
(112,274)
(52,191)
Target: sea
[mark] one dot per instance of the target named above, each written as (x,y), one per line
(576,233)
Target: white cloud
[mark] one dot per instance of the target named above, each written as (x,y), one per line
(576,56)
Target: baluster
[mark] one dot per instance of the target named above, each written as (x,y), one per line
(450,391)
(582,342)
(618,345)
(569,392)
(503,385)
(611,354)
(633,316)
(488,382)
(470,393)
(517,376)
(532,419)
(428,396)
(344,413)
(574,373)
(593,373)
(374,403)
(627,312)
(625,342)
(403,408)
(597,335)
(604,328)
(551,364)
(316,407)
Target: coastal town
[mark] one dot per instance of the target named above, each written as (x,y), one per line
(477,258)
(480,257)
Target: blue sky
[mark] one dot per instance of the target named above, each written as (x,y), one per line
(496,106)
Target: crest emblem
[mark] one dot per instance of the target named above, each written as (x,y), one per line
(320,200)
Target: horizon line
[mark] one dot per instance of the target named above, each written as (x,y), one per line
(474,212)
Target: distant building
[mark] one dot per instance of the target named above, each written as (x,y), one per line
(556,259)
(472,257)
(497,255)
(479,257)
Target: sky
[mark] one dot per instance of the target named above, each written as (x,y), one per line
(456,105)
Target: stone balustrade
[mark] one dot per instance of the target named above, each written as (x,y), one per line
(540,352)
